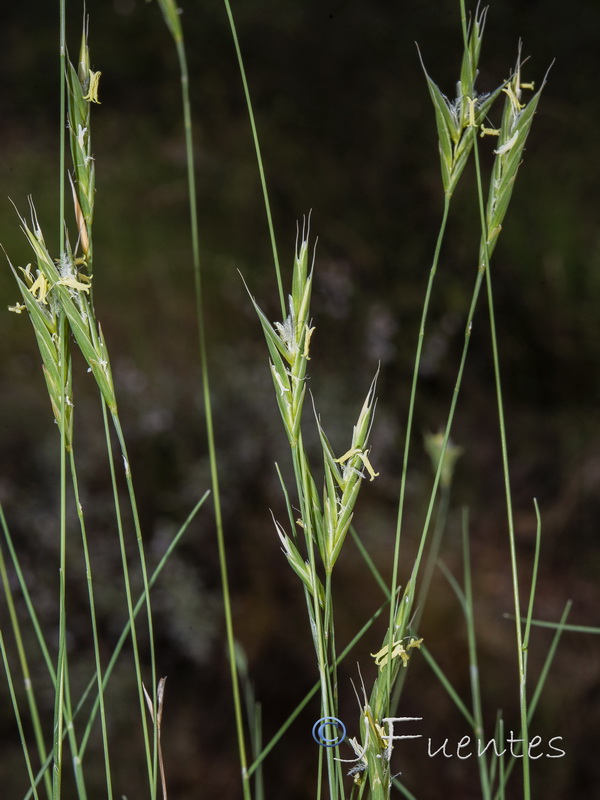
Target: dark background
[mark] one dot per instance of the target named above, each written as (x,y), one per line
(347,130)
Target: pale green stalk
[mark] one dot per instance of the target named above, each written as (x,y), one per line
(17,714)
(471,720)
(173,21)
(74,747)
(261,170)
(406,604)
(27,682)
(369,562)
(508,496)
(327,705)
(127,628)
(557,626)
(409,423)
(125,568)
(61,670)
(254,717)
(469,609)
(27,597)
(58,706)
(536,563)
(450,690)
(434,550)
(88,572)
(503,777)
(560,627)
(63,117)
(403,790)
(145,583)
(440,526)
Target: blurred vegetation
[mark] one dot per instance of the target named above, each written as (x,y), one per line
(346,130)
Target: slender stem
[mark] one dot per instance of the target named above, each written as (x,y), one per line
(70,730)
(369,562)
(58,706)
(560,627)
(29,691)
(17,714)
(88,572)
(409,424)
(212,452)
(440,526)
(451,691)
(28,602)
(261,170)
(521,656)
(63,118)
(436,542)
(144,570)
(469,609)
(127,628)
(57,748)
(408,597)
(320,631)
(125,567)
(536,564)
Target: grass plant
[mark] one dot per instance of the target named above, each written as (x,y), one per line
(56,293)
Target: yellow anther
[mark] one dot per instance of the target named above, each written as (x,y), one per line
(72,283)
(513,97)
(92,92)
(364,457)
(471,102)
(309,333)
(40,287)
(489,131)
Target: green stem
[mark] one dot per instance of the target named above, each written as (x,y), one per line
(469,609)
(409,424)
(88,572)
(127,582)
(27,682)
(369,562)
(125,632)
(536,564)
(58,705)
(70,730)
(63,118)
(261,170)
(57,748)
(212,453)
(408,597)
(144,570)
(320,632)
(17,714)
(521,657)
(440,526)
(560,627)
